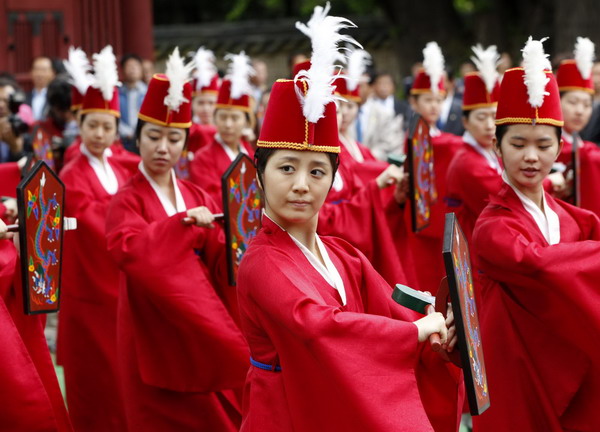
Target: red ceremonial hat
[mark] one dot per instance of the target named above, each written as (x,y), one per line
(212,88)
(102,94)
(225,99)
(529,94)
(94,101)
(422,84)
(286,127)
(305,65)
(569,78)
(476,94)
(341,89)
(515,107)
(155,110)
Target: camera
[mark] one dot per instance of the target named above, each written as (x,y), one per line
(15,100)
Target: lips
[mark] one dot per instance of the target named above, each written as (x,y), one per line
(299,203)
(530,171)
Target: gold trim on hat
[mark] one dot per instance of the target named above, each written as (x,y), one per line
(527,120)
(100,110)
(479,105)
(297,146)
(575,88)
(163,123)
(426,91)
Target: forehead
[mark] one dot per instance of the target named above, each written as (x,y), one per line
(151,127)
(6,91)
(229,112)
(99,117)
(490,111)
(300,156)
(531,132)
(578,95)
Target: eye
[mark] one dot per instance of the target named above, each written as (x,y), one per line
(153,137)
(286,168)
(318,172)
(544,147)
(518,146)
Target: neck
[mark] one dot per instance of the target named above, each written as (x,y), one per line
(535,195)
(163,180)
(305,233)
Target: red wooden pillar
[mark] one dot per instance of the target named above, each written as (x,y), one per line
(137,24)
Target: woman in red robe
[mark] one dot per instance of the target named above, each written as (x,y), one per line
(182,358)
(30,399)
(87,328)
(426,99)
(577,88)
(233,115)
(540,301)
(329,348)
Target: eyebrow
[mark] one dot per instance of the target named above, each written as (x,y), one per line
(296,159)
(521,138)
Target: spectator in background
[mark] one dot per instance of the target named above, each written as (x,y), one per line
(131,95)
(259,81)
(148,70)
(295,58)
(42,72)
(11,145)
(407,82)
(379,125)
(592,131)
(505,64)
(451,110)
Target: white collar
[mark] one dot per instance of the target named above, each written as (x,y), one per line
(434,131)
(327,271)
(566,136)
(488,154)
(104,172)
(352,146)
(227,149)
(547,220)
(164,200)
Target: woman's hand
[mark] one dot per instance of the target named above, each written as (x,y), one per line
(11,209)
(202,217)
(452,336)
(402,190)
(4,234)
(434,322)
(391,175)
(559,185)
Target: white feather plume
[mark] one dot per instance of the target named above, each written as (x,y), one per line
(535,63)
(205,67)
(486,60)
(584,56)
(78,67)
(178,74)
(239,72)
(325,38)
(106,75)
(433,63)
(358,60)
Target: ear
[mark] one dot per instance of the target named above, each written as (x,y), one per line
(259,181)
(497,148)
(465,122)
(560,146)
(413,102)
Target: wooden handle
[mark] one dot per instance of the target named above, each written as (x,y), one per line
(191,221)
(13,228)
(435,341)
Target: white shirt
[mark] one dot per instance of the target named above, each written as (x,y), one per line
(547,221)
(488,154)
(227,149)
(164,200)
(38,102)
(327,271)
(105,173)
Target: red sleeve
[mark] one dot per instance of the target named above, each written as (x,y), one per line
(186,339)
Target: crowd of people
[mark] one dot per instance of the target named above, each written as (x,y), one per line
(152,336)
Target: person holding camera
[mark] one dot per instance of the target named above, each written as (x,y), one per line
(12,122)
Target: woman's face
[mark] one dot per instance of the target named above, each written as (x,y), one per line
(428,106)
(348,112)
(160,147)
(577,109)
(296,184)
(98,132)
(203,107)
(528,153)
(230,124)
(481,124)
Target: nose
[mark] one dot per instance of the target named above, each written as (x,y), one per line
(530,154)
(162,145)
(300,183)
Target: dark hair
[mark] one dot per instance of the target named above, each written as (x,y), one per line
(502,129)
(128,57)
(83,116)
(140,125)
(382,74)
(466,114)
(7,82)
(59,94)
(262,156)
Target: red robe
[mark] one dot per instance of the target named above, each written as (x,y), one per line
(201,135)
(181,354)
(30,399)
(209,165)
(10,176)
(87,328)
(367,170)
(348,368)
(426,245)
(540,318)
(125,157)
(589,155)
(470,181)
